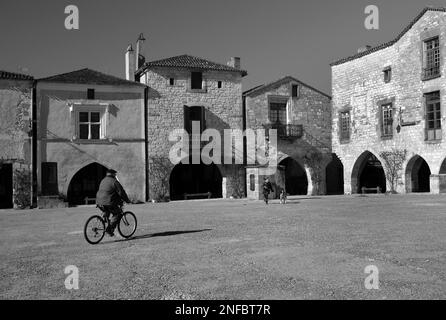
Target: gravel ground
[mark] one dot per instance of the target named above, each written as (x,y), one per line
(310,248)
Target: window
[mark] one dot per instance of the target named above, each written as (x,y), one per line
(219,84)
(252,182)
(49,178)
(387,74)
(196,80)
(387,120)
(194,113)
(171,81)
(431,58)
(277,113)
(295,91)
(89,125)
(345,125)
(90,94)
(433,116)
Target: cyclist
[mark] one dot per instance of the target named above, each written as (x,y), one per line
(110,198)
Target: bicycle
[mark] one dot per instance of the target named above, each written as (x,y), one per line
(94,229)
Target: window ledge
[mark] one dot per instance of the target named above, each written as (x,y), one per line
(433,141)
(424,78)
(91,141)
(197,90)
(390,137)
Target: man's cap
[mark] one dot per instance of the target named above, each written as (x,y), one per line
(111,171)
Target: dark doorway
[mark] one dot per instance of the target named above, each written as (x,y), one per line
(195,179)
(368,172)
(417,175)
(296,182)
(334,174)
(6,186)
(85,183)
(443,177)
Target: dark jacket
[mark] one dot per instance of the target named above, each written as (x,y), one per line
(111,193)
(267,187)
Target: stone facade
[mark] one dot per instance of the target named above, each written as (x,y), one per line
(308,115)
(360,92)
(15,140)
(221,100)
(76,163)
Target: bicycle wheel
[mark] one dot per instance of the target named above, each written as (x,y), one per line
(127,224)
(94,229)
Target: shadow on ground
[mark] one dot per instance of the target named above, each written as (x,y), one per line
(162,234)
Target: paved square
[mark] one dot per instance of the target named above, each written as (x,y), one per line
(310,248)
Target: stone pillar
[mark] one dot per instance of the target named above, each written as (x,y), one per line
(438,183)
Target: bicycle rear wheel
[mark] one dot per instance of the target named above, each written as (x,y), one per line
(94,229)
(127,224)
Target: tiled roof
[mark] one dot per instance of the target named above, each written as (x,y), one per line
(190,62)
(14,76)
(388,44)
(88,76)
(277,83)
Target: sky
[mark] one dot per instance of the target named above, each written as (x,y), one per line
(273,38)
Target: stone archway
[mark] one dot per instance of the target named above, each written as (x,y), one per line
(195,179)
(368,172)
(85,183)
(296,181)
(334,175)
(417,175)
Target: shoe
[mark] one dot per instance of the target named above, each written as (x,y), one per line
(109,232)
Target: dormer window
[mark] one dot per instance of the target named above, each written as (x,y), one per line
(387,74)
(196,80)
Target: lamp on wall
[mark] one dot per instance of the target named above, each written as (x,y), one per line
(400,119)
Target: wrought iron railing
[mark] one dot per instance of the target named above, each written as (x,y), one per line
(431,72)
(287,131)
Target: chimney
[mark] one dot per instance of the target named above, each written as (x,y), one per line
(363,49)
(234,62)
(130,64)
(140,59)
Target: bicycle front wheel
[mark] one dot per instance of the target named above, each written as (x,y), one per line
(127,224)
(94,229)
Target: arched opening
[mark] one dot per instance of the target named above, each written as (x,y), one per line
(85,183)
(417,175)
(334,174)
(194,179)
(6,186)
(368,172)
(296,182)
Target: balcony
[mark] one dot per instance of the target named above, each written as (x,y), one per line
(287,131)
(431,73)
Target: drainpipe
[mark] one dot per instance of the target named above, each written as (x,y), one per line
(34,146)
(146,142)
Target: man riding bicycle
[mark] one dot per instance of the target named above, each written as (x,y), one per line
(110,198)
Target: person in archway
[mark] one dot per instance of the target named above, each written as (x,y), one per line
(110,198)
(267,188)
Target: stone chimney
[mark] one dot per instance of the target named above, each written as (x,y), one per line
(130,64)
(364,48)
(140,58)
(234,62)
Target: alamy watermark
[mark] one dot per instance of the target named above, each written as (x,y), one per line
(261,148)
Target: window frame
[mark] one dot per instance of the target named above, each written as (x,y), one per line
(435,133)
(387,122)
(345,135)
(431,59)
(192,82)
(297,86)
(276,106)
(102,109)
(387,74)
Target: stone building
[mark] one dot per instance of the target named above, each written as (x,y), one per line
(390,101)
(301,115)
(183,89)
(15,140)
(87,122)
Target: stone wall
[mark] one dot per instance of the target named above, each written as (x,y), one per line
(358,85)
(15,142)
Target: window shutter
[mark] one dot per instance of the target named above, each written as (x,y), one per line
(203,119)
